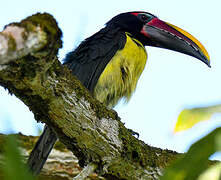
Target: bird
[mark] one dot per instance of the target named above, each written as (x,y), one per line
(110,62)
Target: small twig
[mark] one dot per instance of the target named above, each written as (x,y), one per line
(88,170)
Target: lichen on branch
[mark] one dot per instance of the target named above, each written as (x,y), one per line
(18,40)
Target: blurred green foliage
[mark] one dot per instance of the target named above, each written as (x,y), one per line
(13,164)
(195,162)
(212,173)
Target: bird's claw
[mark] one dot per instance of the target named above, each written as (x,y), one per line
(133,133)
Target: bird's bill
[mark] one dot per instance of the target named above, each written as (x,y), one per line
(166,35)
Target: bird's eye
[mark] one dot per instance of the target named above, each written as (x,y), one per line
(144,17)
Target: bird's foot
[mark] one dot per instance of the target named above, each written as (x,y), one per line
(133,133)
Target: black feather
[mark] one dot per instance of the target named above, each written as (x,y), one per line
(88,61)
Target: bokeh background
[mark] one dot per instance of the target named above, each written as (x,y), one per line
(171,81)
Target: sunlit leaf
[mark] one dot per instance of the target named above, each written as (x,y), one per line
(213,173)
(189,117)
(195,161)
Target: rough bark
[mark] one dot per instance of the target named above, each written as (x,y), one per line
(61,163)
(29,68)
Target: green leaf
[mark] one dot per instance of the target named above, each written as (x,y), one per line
(212,173)
(195,161)
(14,167)
(189,117)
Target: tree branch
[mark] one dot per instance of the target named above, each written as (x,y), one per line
(92,132)
(61,163)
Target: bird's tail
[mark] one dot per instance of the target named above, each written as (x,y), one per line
(41,150)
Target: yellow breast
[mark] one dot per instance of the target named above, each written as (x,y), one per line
(119,78)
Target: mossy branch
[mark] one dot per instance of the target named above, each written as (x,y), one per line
(92,132)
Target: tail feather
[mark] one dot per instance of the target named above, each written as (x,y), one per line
(41,150)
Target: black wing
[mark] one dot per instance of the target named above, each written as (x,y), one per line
(89,59)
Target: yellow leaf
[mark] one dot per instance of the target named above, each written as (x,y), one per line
(189,117)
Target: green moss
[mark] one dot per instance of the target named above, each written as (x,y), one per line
(141,154)
(59,146)
(26,142)
(11,44)
(136,153)
(28,68)
(48,25)
(100,110)
(2,142)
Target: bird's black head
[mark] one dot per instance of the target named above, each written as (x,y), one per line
(133,23)
(152,31)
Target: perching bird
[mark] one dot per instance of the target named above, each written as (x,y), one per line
(110,62)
